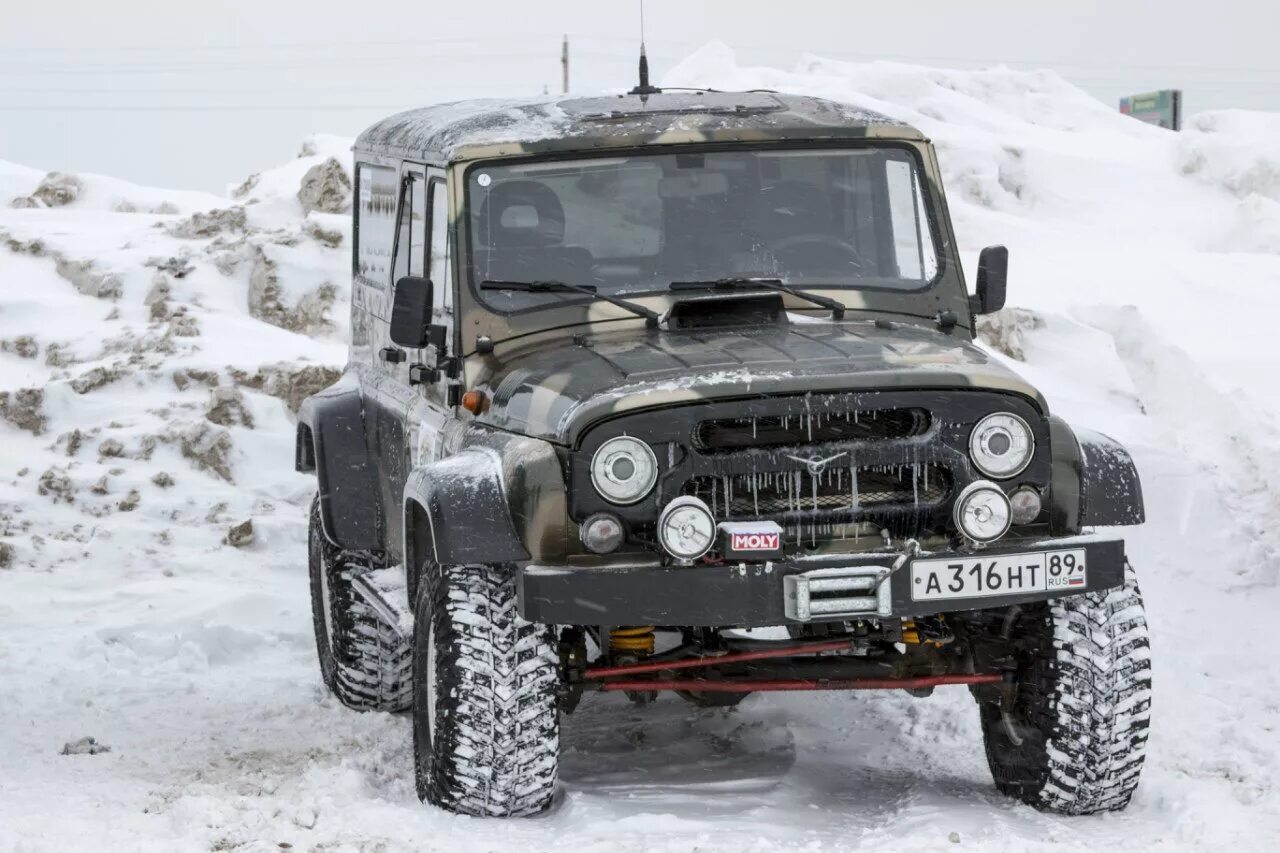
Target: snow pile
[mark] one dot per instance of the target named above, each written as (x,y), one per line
(147,361)
(152,533)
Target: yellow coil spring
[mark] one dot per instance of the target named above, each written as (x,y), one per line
(911,635)
(636,639)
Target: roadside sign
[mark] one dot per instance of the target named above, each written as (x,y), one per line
(1163,108)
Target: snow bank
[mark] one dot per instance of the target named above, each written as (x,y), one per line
(24,188)
(149,361)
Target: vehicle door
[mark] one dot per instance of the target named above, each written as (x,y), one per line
(436,366)
(391,393)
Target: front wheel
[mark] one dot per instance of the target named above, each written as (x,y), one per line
(1073,738)
(486,725)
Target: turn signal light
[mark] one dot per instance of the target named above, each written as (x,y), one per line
(475,402)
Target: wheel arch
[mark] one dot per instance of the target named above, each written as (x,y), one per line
(456,512)
(1095,481)
(332,442)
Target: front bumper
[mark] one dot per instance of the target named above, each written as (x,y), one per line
(755,595)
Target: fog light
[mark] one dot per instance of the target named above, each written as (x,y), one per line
(1026,505)
(982,512)
(601,533)
(686,528)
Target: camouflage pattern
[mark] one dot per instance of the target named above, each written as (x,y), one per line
(552,373)
(458,136)
(484,129)
(553,391)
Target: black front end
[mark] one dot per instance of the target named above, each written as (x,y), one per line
(827,468)
(860,489)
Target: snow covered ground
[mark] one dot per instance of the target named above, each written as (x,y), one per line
(148,359)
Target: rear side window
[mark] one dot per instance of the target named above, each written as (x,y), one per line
(376,223)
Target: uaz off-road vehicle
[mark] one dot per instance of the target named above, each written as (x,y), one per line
(630,376)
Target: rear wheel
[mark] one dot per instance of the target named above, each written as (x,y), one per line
(1073,738)
(364,660)
(486,726)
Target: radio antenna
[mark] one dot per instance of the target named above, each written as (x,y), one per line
(644,90)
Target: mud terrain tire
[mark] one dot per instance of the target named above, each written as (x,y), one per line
(486,724)
(364,660)
(1075,739)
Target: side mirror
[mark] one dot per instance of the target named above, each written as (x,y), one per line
(993,278)
(411,312)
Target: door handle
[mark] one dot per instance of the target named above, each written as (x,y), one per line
(392,354)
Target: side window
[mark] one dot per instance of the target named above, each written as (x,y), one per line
(411,251)
(375,223)
(440,270)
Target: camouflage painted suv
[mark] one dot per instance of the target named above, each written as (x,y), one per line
(633,376)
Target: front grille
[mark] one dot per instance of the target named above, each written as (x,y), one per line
(724,435)
(763,495)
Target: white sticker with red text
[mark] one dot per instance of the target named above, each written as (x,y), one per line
(746,536)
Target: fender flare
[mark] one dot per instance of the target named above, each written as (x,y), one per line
(332,442)
(456,512)
(1095,481)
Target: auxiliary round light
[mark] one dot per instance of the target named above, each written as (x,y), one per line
(1026,505)
(601,533)
(624,469)
(982,512)
(686,528)
(1001,445)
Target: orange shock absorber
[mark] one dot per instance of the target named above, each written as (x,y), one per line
(636,640)
(910,635)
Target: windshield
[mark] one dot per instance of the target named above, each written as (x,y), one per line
(851,217)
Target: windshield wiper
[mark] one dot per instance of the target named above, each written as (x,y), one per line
(651,318)
(742,282)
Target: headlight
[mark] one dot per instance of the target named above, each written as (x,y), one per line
(686,528)
(982,512)
(624,469)
(1001,445)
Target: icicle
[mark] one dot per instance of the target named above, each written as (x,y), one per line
(754,421)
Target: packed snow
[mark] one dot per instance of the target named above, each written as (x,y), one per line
(157,673)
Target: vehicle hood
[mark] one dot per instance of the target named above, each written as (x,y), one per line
(555,389)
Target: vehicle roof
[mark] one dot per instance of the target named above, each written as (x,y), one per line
(467,130)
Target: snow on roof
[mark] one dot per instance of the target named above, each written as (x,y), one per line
(466,129)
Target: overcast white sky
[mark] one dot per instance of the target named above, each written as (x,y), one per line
(199,95)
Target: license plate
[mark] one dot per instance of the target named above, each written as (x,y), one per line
(1003,574)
